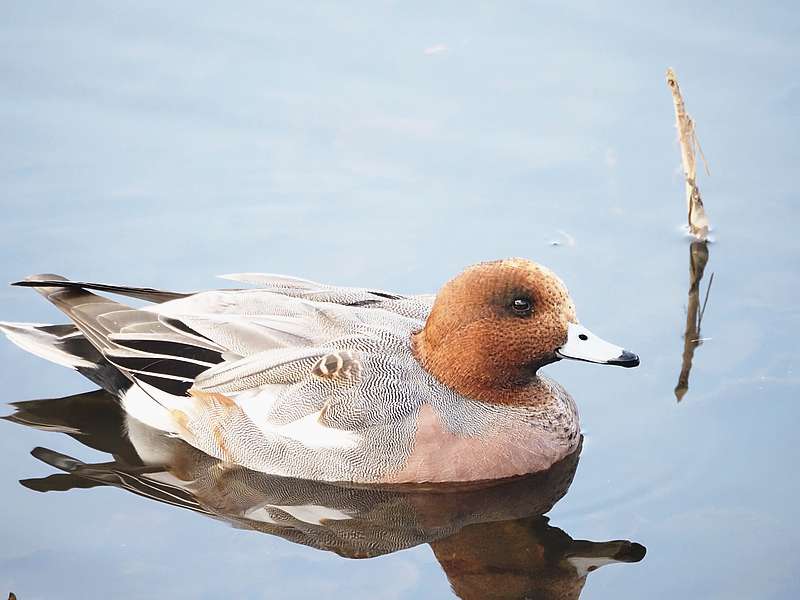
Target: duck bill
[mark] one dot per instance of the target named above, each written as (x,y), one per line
(583,345)
(586,556)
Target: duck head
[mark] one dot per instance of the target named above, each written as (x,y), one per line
(494,325)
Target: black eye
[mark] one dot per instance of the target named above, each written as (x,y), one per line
(521,306)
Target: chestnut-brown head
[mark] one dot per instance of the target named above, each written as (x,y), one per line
(495,324)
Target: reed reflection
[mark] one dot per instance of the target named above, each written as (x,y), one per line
(490,539)
(698,258)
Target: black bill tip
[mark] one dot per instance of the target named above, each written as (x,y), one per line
(626,359)
(631,552)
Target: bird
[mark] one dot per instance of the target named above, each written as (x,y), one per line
(490,539)
(343,384)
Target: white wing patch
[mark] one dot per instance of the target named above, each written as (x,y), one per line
(260,514)
(312,514)
(313,434)
(307,430)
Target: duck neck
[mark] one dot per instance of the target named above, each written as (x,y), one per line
(479,376)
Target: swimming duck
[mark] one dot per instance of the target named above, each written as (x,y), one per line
(467,525)
(307,380)
(489,538)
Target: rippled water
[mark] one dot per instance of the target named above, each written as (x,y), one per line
(391,146)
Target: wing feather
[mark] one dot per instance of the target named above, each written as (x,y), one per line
(311,290)
(272,367)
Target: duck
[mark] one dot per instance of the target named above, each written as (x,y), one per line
(301,379)
(491,540)
(323,515)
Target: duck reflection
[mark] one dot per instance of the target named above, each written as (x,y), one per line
(490,539)
(698,258)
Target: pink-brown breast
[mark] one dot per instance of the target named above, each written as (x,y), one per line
(439,455)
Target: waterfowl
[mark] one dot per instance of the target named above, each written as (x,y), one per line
(320,514)
(489,538)
(302,379)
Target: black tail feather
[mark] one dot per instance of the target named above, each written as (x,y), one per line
(142,293)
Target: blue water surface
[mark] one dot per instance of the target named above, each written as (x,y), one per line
(391,144)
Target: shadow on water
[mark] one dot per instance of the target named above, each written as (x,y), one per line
(698,259)
(491,540)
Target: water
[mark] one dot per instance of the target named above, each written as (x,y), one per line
(391,146)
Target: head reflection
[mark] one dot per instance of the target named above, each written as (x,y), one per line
(490,539)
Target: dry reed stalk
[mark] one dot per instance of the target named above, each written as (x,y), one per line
(696,213)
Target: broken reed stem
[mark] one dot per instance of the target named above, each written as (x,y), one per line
(696,213)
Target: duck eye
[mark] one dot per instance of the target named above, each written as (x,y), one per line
(521,306)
